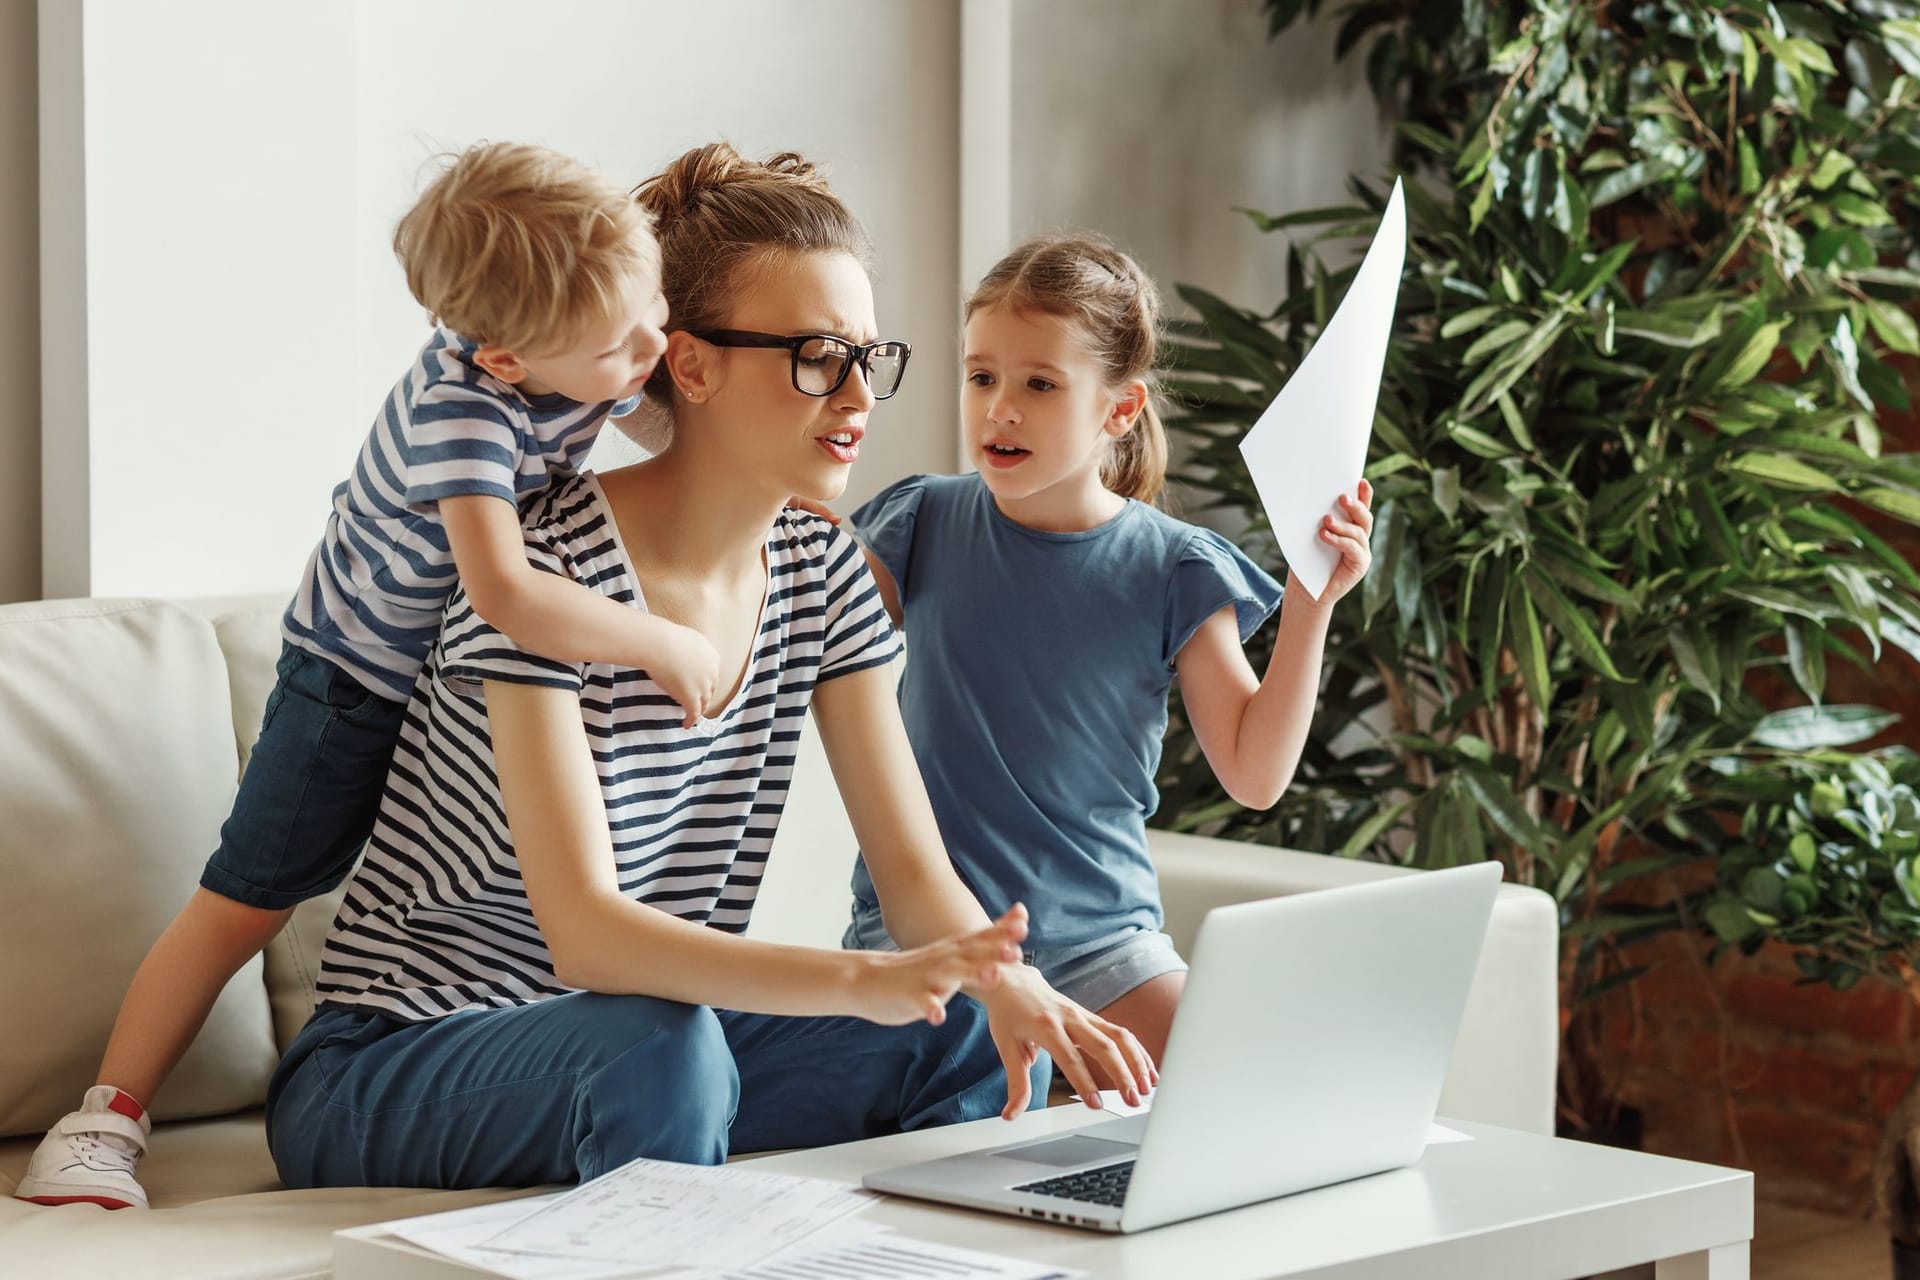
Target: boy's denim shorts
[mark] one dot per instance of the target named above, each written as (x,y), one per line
(1091,974)
(311,790)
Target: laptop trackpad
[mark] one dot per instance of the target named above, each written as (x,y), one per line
(1068,1151)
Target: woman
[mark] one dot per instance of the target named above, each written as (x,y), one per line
(537,974)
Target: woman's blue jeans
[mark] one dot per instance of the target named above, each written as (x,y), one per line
(568,1088)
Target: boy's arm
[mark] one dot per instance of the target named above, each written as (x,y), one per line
(564,620)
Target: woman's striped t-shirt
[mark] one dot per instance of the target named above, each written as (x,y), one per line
(436,918)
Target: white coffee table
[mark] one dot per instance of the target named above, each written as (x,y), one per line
(1506,1205)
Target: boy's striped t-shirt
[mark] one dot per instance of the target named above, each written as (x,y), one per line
(436,918)
(374,590)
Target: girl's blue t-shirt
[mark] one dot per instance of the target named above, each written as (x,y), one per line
(1035,690)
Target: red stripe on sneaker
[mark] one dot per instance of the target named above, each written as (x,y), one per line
(105,1202)
(126,1105)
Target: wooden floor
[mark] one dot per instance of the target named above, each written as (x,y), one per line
(1792,1244)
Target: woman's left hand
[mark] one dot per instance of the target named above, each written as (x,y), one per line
(1025,1015)
(1349,534)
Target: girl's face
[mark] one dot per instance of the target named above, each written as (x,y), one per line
(774,435)
(1038,413)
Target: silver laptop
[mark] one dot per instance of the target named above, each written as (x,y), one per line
(1309,1049)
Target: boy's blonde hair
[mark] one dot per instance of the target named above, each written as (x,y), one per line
(1103,293)
(520,247)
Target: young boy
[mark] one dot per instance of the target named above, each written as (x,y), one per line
(543,280)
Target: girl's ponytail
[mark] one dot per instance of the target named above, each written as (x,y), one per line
(1137,465)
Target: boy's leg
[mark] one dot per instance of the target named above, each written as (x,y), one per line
(90,1156)
(306,805)
(811,1082)
(557,1091)
(176,985)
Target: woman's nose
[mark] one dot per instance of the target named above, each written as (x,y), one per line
(854,388)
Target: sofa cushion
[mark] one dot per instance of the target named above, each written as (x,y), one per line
(117,767)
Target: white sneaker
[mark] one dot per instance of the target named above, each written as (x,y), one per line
(90,1156)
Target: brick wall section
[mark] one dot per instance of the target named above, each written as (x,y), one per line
(1739,1064)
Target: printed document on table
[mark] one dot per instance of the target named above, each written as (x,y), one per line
(1310,446)
(885,1256)
(460,1234)
(716,1218)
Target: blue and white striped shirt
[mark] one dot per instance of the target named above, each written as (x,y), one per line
(374,590)
(436,919)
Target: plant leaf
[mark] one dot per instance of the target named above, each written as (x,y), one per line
(1808,728)
(1572,624)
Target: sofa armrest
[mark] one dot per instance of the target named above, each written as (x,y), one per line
(1505,1060)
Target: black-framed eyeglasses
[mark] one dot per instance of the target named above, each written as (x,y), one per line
(821,361)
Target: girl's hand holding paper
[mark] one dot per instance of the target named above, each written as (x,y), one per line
(1348,534)
(1312,440)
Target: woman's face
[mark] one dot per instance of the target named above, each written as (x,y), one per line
(796,443)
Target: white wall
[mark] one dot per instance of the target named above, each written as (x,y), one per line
(243,165)
(1150,120)
(228,313)
(19,307)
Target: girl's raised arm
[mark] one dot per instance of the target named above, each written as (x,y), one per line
(1253,730)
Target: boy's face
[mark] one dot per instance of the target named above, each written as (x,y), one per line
(609,360)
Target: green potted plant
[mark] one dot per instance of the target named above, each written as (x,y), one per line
(1661,257)
(1824,857)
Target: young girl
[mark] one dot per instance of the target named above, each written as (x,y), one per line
(1048,607)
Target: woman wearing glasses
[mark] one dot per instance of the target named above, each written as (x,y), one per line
(537,973)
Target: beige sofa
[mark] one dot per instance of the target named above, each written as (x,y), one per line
(123,727)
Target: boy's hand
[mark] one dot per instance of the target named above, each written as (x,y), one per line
(687,667)
(1349,536)
(820,509)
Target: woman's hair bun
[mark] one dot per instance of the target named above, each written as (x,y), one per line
(683,185)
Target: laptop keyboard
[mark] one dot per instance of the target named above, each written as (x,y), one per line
(1106,1185)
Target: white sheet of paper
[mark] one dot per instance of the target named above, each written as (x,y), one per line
(1310,446)
(885,1256)
(461,1233)
(653,1212)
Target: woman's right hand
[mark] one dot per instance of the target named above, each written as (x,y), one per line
(897,987)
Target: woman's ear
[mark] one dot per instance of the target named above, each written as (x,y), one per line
(692,365)
(1126,409)
(501,363)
